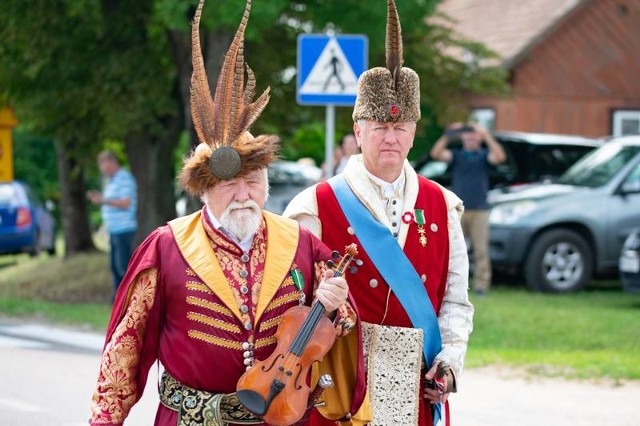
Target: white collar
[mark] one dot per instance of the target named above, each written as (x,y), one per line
(388,189)
(245,244)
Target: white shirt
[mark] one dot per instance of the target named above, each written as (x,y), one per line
(392,199)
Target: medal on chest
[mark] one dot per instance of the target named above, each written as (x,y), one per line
(298,281)
(417,216)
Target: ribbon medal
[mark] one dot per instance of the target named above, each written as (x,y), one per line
(298,281)
(419,219)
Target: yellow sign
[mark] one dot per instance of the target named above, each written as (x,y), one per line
(7,123)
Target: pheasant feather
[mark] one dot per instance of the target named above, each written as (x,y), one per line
(393,44)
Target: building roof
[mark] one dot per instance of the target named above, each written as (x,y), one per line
(510,28)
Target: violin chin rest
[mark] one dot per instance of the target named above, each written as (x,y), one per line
(252,401)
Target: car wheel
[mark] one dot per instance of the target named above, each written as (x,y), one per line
(35,250)
(560,261)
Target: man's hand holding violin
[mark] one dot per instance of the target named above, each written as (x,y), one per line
(332,291)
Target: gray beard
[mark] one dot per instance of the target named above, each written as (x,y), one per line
(241,224)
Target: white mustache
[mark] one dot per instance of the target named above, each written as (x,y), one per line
(249,204)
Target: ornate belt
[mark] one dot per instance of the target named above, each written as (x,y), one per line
(203,408)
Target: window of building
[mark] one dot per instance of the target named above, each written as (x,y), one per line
(626,122)
(486,117)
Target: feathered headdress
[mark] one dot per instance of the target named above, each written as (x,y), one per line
(389,94)
(222,123)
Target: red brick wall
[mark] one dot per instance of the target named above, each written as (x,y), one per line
(573,78)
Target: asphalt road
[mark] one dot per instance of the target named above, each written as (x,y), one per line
(47,377)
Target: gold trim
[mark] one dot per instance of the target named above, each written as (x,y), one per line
(282,244)
(191,273)
(261,343)
(194,316)
(266,325)
(196,301)
(214,340)
(195,246)
(198,286)
(282,300)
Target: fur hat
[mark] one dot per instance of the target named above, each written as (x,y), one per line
(389,94)
(222,123)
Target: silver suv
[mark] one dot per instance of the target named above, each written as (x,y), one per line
(559,234)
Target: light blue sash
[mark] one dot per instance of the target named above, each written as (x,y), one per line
(396,269)
(392,263)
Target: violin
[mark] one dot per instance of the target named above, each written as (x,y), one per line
(276,389)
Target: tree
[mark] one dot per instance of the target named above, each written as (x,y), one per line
(84,71)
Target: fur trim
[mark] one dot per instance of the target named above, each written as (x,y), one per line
(255,153)
(376,96)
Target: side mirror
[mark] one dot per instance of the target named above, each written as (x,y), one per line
(630,186)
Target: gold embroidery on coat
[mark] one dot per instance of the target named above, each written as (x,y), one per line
(282,300)
(116,392)
(191,273)
(198,286)
(214,340)
(266,325)
(206,304)
(215,323)
(261,343)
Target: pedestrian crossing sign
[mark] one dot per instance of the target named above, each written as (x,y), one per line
(329,67)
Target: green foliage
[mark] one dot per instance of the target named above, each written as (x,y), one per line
(86,71)
(307,141)
(35,163)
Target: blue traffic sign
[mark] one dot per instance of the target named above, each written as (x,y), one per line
(329,67)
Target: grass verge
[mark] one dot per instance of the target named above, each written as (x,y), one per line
(75,291)
(595,333)
(592,334)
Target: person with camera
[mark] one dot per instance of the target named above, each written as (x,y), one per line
(470,167)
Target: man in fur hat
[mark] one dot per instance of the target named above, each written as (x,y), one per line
(204,295)
(411,291)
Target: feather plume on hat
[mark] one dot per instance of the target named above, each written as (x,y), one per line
(222,123)
(391,93)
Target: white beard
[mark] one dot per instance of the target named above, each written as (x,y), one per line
(241,224)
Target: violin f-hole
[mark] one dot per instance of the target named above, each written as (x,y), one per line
(265,368)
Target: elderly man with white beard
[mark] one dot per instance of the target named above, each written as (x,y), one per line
(204,294)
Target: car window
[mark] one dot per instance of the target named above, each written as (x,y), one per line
(505,172)
(31,196)
(553,160)
(8,193)
(632,181)
(597,168)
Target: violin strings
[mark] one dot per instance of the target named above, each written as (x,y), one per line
(304,334)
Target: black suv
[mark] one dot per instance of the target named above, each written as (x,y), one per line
(531,157)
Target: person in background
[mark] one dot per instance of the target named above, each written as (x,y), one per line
(349,147)
(411,290)
(470,167)
(205,294)
(118,203)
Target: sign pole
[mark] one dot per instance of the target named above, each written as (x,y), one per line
(328,68)
(329,137)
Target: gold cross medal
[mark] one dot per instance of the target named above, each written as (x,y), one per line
(419,219)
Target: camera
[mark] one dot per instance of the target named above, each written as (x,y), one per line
(458,130)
